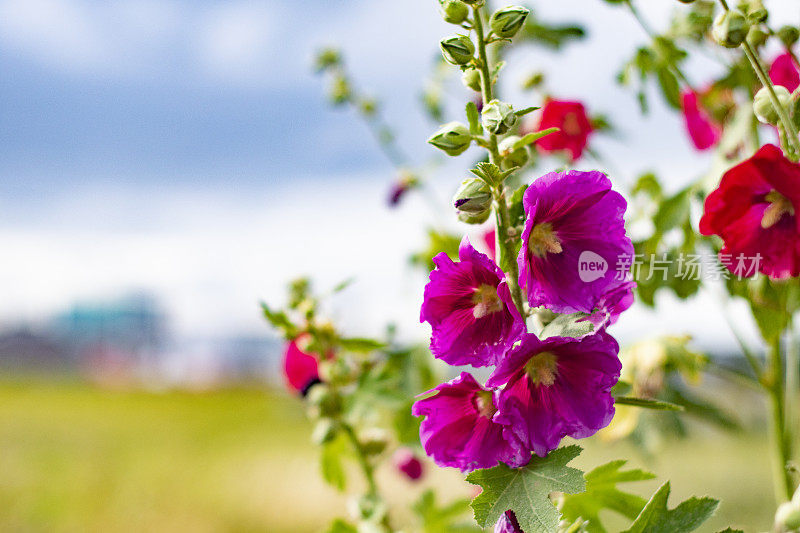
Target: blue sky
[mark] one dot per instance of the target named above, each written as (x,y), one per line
(184,147)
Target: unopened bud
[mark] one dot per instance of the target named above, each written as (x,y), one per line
(373,441)
(757,37)
(340,90)
(764,109)
(788,35)
(453,138)
(454,11)
(473,197)
(755,11)
(787,517)
(457,49)
(730,28)
(327,58)
(506,22)
(511,157)
(480,218)
(498,117)
(323,401)
(472,79)
(324,431)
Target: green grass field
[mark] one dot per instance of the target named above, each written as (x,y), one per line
(76,458)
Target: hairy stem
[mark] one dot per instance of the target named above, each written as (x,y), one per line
(784,486)
(505,233)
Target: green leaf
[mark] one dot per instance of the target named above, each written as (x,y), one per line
(488,172)
(532,137)
(437,518)
(474,119)
(526,490)
(647,403)
(572,325)
(523,112)
(686,517)
(340,526)
(516,209)
(278,320)
(361,345)
(670,87)
(333,471)
(673,211)
(339,287)
(602,493)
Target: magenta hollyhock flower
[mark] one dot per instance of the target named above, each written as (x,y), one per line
(459,429)
(508,523)
(573,124)
(489,240)
(555,388)
(783,71)
(754,211)
(702,131)
(574,242)
(407,462)
(469,307)
(615,301)
(300,369)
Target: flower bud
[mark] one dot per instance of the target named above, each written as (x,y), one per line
(457,49)
(340,91)
(730,29)
(373,441)
(454,11)
(787,517)
(472,79)
(788,35)
(323,401)
(512,158)
(506,22)
(327,58)
(756,36)
(498,117)
(324,431)
(467,218)
(453,138)
(755,11)
(473,197)
(762,104)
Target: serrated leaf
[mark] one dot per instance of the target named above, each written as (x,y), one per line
(602,493)
(526,490)
(532,137)
(474,119)
(686,517)
(647,403)
(575,325)
(360,345)
(488,172)
(523,112)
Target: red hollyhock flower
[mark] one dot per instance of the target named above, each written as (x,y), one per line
(703,132)
(784,72)
(754,211)
(575,126)
(406,461)
(300,369)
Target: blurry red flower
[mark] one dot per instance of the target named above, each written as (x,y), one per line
(754,211)
(784,72)
(575,126)
(300,369)
(702,130)
(407,462)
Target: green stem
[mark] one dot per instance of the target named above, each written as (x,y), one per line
(505,233)
(784,486)
(791,392)
(366,466)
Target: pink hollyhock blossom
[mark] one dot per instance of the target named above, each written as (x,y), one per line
(489,240)
(508,524)
(575,126)
(407,463)
(555,388)
(459,429)
(300,369)
(469,308)
(615,301)
(574,241)
(754,212)
(783,71)
(703,132)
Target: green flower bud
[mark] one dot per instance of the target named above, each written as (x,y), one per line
(756,36)
(453,138)
(323,401)
(457,49)
(506,22)
(368,106)
(730,29)
(787,518)
(754,9)
(512,158)
(324,431)
(374,441)
(340,91)
(788,35)
(472,79)
(762,104)
(498,117)
(327,58)
(473,197)
(467,218)
(367,508)
(454,11)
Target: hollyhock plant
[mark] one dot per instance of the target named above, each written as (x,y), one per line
(702,130)
(300,369)
(459,429)
(754,212)
(469,307)
(573,124)
(783,71)
(573,242)
(555,388)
